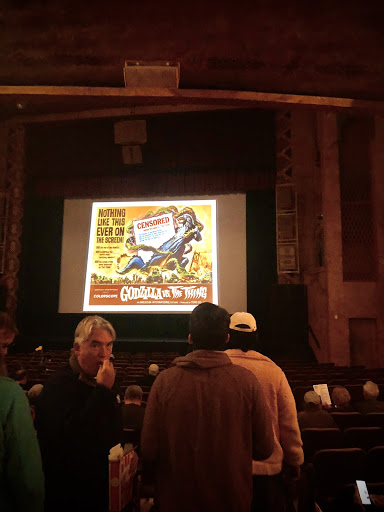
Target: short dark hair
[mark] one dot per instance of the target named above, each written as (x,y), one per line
(17,374)
(209,326)
(243,340)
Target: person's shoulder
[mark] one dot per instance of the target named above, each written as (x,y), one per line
(267,363)
(10,386)
(166,374)
(10,393)
(241,372)
(64,376)
(256,358)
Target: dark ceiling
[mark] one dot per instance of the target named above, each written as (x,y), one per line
(326,48)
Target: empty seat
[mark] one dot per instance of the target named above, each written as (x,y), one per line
(315,439)
(363,437)
(375,464)
(336,471)
(348,419)
(374,419)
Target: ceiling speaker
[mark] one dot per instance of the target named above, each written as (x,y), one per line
(164,74)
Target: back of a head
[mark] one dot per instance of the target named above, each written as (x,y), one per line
(341,396)
(209,326)
(243,331)
(34,393)
(312,400)
(17,374)
(133,394)
(371,390)
(87,324)
(153,370)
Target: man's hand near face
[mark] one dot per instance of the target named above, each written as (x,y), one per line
(106,374)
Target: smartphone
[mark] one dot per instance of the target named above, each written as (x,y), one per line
(363,491)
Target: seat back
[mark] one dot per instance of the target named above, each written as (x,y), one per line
(131,436)
(375,464)
(374,419)
(363,437)
(338,467)
(315,439)
(348,419)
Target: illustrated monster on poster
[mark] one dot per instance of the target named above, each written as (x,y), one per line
(170,255)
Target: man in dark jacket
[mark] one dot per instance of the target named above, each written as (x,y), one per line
(132,413)
(205,420)
(313,416)
(370,403)
(149,379)
(78,422)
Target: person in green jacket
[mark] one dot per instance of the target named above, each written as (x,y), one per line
(21,473)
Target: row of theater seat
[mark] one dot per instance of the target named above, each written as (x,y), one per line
(315,439)
(131,366)
(333,474)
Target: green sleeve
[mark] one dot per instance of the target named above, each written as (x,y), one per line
(23,467)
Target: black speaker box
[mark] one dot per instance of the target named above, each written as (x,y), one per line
(288,314)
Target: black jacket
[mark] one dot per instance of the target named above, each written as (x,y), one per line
(77,424)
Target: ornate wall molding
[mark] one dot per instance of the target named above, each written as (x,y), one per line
(15,182)
(284,167)
(287,245)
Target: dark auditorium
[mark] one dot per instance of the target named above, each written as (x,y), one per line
(191,256)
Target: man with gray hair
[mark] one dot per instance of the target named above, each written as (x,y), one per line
(149,379)
(77,419)
(370,402)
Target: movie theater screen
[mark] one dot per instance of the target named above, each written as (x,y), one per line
(153,256)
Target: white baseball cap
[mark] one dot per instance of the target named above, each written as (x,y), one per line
(243,322)
(311,397)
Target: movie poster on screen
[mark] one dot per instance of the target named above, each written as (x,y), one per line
(151,256)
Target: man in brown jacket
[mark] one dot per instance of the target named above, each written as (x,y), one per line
(206,419)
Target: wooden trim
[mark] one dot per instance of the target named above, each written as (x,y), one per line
(117,112)
(148,96)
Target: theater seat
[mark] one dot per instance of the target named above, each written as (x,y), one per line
(336,471)
(374,419)
(131,436)
(315,439)
(348,419)
(375,464)
(339,466)
(363,437)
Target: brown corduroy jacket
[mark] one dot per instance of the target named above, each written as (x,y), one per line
(205,420)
